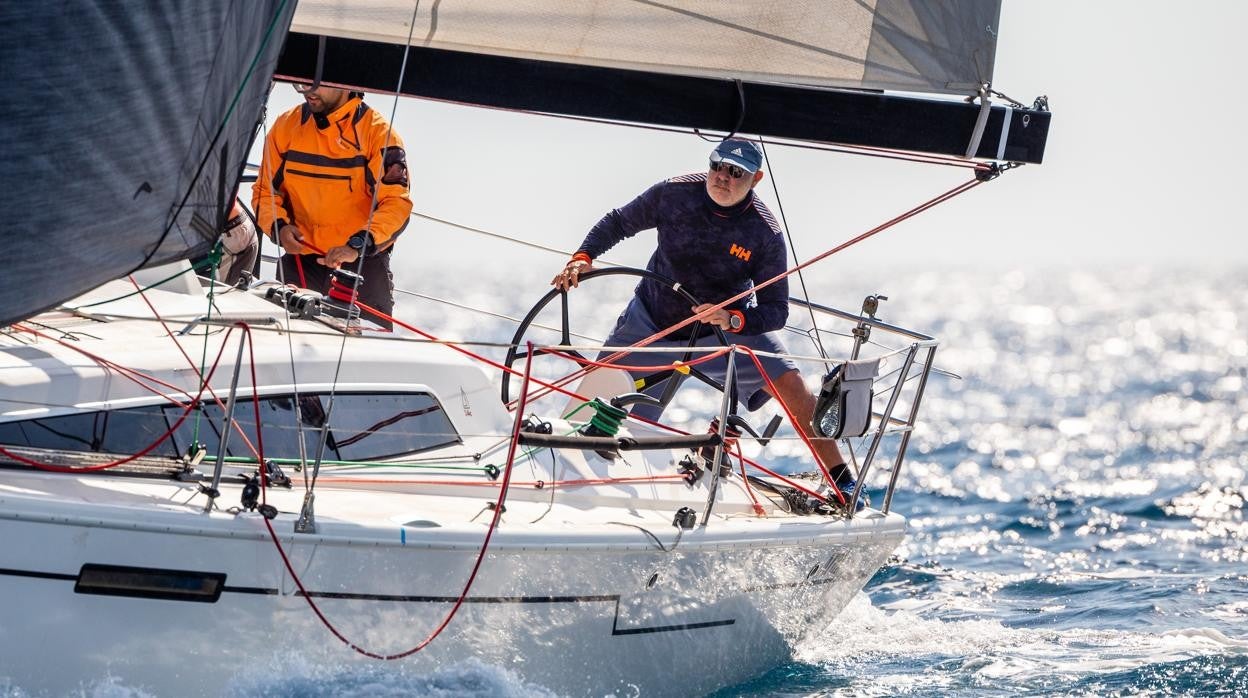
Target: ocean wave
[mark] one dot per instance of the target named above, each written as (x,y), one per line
(872,651)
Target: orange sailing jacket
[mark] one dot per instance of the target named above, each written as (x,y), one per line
(322,179)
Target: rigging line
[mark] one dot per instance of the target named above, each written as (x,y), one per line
(506,238)
(251,69)
(556,388)
(841,148)
(126,372)
(104,466)
(297,413)
(202,367)
(797,426)
(756,32)
(880,151)
(698,317)
(203,358)
(433,23)
(489,313)
(472,576)
(359,263)
(549,386)
(788,232)
(171,277)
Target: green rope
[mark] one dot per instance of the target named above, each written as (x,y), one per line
(607,417)
(147,287)
(214,262)
(364,464)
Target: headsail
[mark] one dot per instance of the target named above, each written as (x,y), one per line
(801,69)
(126,129)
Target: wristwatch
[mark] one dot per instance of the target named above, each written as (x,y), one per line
(360,242)
(735,321)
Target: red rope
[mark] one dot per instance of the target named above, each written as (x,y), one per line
(303,282)
(560,389)
(191,362)
(557,388)
(758,508)
(537,484)
(126,372)
(463,595)
(941,198)
(676,366)
(150,447)
(827,476)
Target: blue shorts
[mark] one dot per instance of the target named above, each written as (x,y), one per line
(635,325)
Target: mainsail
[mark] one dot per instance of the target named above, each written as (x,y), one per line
(126,128)
(945,47)
(811,70)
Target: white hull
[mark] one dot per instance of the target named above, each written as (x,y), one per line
(567,606)
(588,587)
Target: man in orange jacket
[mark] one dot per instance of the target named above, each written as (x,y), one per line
(334,178)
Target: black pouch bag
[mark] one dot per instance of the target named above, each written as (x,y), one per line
(843,408)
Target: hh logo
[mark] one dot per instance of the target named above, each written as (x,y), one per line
(741,253)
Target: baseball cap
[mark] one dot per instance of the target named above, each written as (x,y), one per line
(741,153)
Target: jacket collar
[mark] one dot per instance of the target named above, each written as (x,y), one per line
(729,211)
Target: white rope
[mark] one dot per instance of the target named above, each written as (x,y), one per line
(985,108)
(489,313)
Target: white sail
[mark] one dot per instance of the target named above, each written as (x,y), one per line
(946,47)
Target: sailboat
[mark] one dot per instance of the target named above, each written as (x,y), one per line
(199,483)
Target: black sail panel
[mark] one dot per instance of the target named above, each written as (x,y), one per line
(852,117)
(115,124)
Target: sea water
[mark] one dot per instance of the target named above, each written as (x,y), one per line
(1076,498)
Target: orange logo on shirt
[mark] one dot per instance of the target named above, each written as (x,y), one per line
(741,253)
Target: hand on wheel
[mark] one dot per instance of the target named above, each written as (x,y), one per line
(571,275)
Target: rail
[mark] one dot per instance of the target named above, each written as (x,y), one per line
(895,402)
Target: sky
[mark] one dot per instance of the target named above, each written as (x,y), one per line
(1143,164)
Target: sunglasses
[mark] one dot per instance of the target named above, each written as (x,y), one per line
(302,87)
(734,171)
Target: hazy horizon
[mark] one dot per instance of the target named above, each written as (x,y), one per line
(1138,168)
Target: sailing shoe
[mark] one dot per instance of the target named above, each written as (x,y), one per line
(847,489)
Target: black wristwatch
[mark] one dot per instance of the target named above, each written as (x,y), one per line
(360,242)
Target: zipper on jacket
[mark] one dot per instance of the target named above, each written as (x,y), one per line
(318,175)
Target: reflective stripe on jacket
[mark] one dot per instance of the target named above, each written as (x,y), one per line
(322,179)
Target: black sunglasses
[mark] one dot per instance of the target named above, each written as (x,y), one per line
(734,171)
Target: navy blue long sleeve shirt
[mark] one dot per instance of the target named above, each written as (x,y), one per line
(715,252)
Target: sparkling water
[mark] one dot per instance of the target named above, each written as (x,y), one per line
(1076,498)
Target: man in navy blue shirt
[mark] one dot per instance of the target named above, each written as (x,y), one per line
(717,239)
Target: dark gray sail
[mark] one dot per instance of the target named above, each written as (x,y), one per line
(126,127)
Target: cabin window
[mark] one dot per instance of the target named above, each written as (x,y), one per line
(363,426)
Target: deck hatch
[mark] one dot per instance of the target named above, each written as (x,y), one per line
(150,583)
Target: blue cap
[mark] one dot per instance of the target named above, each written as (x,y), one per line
(743,154)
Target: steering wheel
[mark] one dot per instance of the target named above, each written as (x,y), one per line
(517,352)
